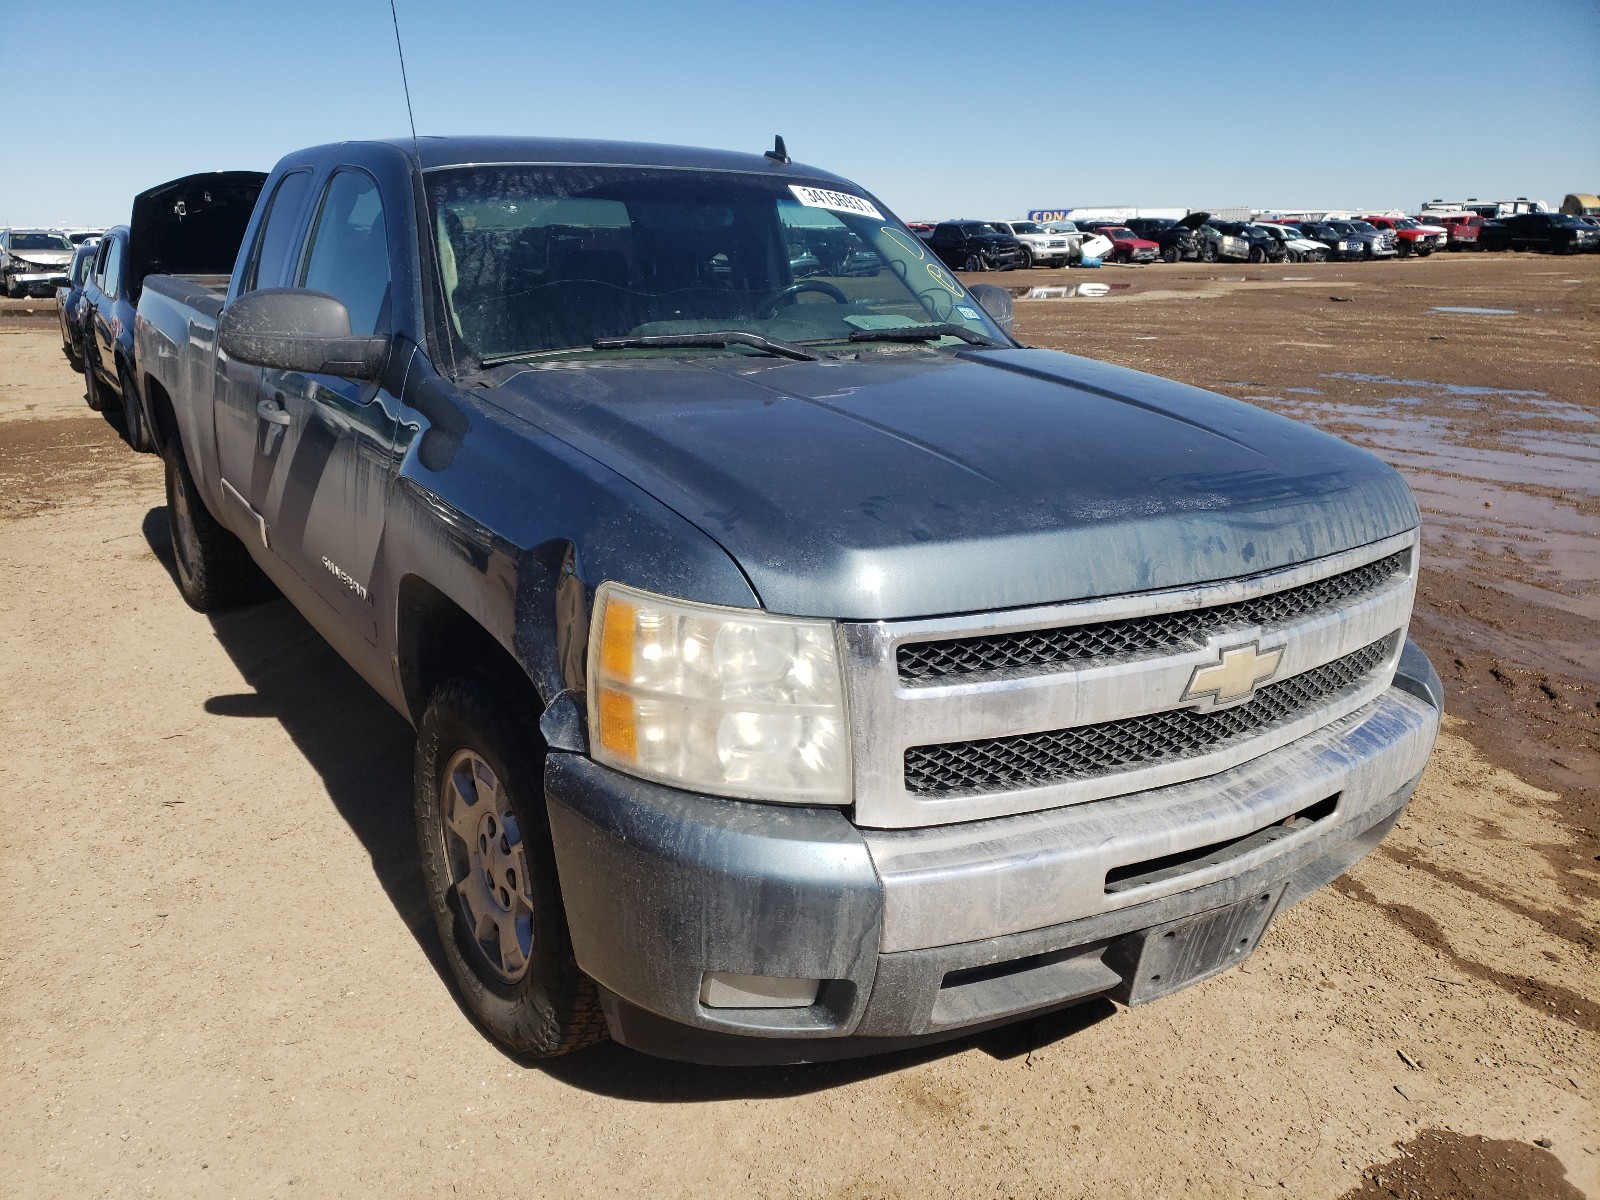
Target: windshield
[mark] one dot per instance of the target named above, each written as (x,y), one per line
(1116,232)
(1405,223)
(1026,227)
(38,241)
(1064,227)
(547,258)
(1363,227)
(977,229)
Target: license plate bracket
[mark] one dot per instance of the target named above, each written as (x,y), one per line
(1163,959)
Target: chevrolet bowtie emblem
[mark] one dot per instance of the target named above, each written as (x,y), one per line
(1236,676)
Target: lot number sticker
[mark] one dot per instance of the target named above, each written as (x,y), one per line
(842,202)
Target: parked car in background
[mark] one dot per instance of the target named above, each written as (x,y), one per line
(1375,242)
(1127,246)
(1411,235)
(1558,233)
(189,228)
(1217,246)
(1083,243)
(1177,240)
(33,262)
(1461,229)
(109,299)
(1040,247)
(1296,246)
(78,236)
(69,304)
(975,246)
(1341,247)
(1263,246)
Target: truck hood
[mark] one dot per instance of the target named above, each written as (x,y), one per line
(43,258)
(921,482)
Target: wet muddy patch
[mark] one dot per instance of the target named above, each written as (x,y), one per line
(1438,1164)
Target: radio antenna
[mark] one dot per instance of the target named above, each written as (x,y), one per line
(416,154)
(405,83)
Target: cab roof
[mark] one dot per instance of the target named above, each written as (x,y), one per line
(470,150)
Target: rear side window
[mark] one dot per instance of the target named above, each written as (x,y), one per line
(274,257)
(349,252)
(113,266)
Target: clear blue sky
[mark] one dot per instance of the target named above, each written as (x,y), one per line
(942,109)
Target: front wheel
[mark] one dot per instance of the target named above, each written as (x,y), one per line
(1208,253)
(1170,254)
(489,867)
(1257,254)
(972,263)
(1027,259)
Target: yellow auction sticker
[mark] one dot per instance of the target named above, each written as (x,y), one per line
(911,245)
(945,280)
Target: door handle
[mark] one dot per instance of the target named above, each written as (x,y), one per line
(272,412)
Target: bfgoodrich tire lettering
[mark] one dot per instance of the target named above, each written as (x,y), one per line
(478,745)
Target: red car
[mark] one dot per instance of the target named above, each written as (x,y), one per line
(1128,246)
(1410,236)
(1463,228)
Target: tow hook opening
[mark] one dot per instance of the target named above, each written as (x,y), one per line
(1170,866)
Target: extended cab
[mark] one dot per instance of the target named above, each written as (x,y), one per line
(800,666)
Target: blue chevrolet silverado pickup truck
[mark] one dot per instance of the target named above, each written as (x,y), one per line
(800,666)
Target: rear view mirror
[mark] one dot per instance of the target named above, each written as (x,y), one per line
(292,329)
(996,301)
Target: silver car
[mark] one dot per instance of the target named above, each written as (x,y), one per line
(33,262)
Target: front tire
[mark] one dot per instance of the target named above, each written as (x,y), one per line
(489,866)
(214,569)
(1169,254)
(1027,260)
(972,263)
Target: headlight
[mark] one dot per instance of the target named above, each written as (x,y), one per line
(723,700)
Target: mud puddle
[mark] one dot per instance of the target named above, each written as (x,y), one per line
(1508,481)
(1068,291)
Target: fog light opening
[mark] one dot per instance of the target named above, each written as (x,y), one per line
(727,989)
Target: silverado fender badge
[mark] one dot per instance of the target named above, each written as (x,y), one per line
(345,578)
(1236,676)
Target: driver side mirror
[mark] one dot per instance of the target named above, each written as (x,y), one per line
(996,301)
(293,329)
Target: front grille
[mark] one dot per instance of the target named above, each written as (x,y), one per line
(1034,759)
(1162,633)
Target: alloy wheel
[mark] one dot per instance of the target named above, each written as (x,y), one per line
(488,866)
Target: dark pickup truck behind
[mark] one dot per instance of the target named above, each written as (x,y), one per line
(800,666)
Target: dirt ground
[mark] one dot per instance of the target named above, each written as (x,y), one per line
(218,976)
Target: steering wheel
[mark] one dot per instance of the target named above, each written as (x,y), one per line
(769,306)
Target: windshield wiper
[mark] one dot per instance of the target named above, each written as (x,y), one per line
(922,333)
(718,338)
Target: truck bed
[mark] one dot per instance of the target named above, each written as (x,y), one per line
(204,293)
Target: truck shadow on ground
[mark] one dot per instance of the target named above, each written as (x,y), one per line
(361,749)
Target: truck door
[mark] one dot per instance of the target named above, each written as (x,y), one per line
(243,439)
(325,451)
